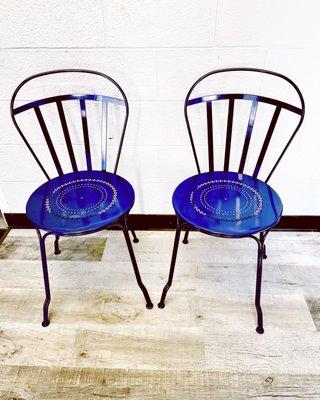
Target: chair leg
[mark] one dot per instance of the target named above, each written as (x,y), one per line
(46,303)
(173,263)
(149,304)
(56,245)
(259,328)
(185,239)
(135,239)
(264,254)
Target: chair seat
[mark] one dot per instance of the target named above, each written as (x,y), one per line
(227,204)
(80,202)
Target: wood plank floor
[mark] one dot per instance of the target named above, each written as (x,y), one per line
(103,343)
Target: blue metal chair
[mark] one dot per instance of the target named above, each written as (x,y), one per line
(230,203)
(81,201)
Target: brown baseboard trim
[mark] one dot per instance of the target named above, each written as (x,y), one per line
(299,223)
(168,222)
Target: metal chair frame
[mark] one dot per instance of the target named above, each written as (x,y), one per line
(255,99)
(58,100)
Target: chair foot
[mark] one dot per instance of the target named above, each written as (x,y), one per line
(161,305)
(264,252)
(45,323)
(259,330)
(149,306)
(57,252)
(185,238)
(135,239)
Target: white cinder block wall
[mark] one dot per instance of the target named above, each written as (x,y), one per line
(156,49)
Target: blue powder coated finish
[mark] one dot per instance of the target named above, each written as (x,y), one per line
(227,204)
(77,202)
(80,202)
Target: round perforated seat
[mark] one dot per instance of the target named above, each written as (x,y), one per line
(80,202)
(227,203)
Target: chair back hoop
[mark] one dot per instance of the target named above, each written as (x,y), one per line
(58,100)
(255,100)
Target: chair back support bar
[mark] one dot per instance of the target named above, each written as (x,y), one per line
(210,136)
(255,101)
(59,101)
(228,135)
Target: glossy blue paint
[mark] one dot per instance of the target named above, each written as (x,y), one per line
(64,97)
(244,96)
(80,202)
(232,204)
(255,99)
(227,204)
(82,99)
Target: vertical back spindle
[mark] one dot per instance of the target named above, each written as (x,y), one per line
(48,140)
(85,133)
(252,117)
(267,140)
(210,136)
(104,138)
(228,135)
(66,135)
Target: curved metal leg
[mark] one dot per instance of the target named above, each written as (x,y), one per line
(56,245)
(173,263)
(46,303)
(149,304)
(135,239)
(259,328)
(185,239)
(260,257)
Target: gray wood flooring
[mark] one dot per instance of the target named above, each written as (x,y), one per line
(103,343)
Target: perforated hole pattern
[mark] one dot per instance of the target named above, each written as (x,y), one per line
(105,195)
(246,202)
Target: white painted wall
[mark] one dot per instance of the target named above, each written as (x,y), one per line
(156,49)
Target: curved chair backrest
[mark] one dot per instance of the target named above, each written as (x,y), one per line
(59,100)
(254,99)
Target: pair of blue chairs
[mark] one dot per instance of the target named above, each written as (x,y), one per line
(223,202)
